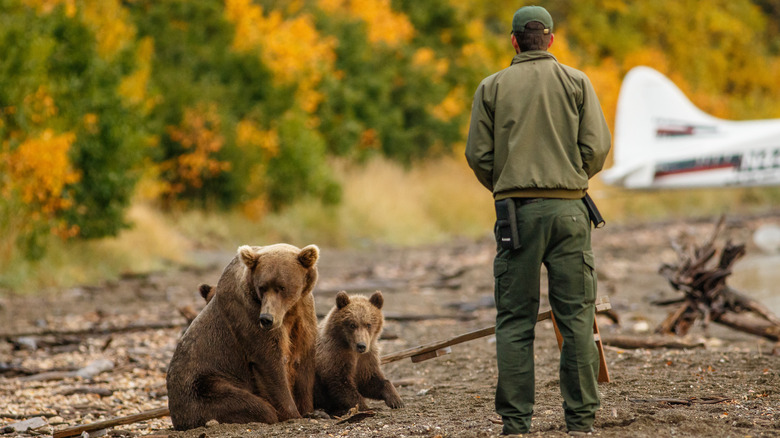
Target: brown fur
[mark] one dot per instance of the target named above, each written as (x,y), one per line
(249,355)
(348,356)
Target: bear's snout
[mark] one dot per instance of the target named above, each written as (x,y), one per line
(361,347)
(266,320)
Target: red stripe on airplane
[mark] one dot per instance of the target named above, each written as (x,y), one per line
(662,173)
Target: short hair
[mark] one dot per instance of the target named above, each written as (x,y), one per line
(533,37)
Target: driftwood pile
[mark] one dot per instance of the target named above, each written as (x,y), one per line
(700,274)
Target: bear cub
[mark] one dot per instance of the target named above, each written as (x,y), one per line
(347,357)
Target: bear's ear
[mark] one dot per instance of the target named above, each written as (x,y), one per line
(248,256)
(204,291)
(342,299)
(377,299)
(308,256)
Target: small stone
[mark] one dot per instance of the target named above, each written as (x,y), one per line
(94,368)
(29,424)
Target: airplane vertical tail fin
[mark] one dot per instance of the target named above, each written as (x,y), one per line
(663,141)
(650,108)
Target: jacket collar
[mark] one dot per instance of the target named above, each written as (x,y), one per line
(532,55)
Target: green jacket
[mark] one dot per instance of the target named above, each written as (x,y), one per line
(537,130)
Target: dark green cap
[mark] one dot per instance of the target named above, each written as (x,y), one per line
(527,14)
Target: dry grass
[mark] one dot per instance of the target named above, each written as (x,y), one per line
(428,203)
(153,243)
(382,203)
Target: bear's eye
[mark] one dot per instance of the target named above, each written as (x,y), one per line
(282,289)
(368,326)
(352,325)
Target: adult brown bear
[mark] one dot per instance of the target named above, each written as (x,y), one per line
(249,355)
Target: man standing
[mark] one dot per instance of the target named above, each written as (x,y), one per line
(537,135)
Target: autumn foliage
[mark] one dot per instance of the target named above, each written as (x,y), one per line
(241,103)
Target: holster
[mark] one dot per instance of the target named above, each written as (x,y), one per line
(507,235)
(593,212)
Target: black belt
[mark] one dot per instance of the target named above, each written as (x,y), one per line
(524,201)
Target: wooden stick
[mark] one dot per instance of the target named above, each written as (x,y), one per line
(603,376)
(427,348)
(476,334)
(129,419)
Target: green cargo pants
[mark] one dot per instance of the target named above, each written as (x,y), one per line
(556,233)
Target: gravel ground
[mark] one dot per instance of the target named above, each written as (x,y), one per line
(130,327)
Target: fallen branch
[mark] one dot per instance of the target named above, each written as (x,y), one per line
(354,415)
(13,370)
(26,416)
(103,392)
(112,422)
(98,331)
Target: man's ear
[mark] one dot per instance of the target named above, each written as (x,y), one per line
(552,37)
(514,44)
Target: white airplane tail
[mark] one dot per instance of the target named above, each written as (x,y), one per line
(663,140)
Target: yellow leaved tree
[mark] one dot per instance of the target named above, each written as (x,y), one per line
(383,24)
(200,139)
(292,48)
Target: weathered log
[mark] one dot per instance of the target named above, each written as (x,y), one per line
(758,328)
(743,301)
(629,342)
(706,296)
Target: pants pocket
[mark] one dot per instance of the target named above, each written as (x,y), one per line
(500,267)
(589,276)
